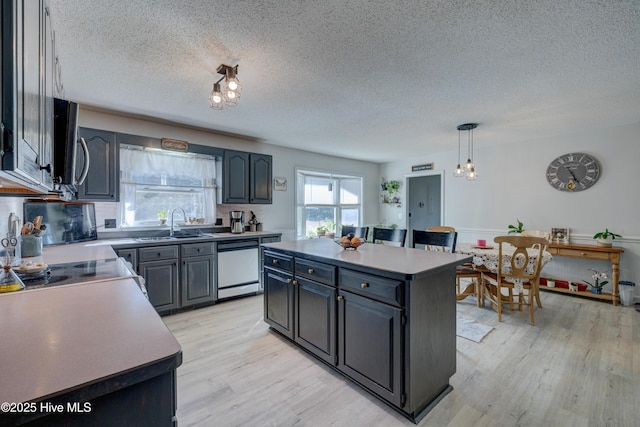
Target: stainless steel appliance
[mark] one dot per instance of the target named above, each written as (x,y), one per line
(238,268)
(236,219)
(66,222)
(65,142)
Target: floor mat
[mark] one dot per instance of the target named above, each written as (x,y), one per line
(471,330)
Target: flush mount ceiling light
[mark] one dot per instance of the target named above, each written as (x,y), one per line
(226,91)
(469,169)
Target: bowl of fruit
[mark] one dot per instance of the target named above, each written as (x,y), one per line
(350,242)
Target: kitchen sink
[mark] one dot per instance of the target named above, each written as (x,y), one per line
(154,239)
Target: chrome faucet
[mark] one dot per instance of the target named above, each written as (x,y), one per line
(184,215)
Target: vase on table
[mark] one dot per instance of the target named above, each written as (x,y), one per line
(597,291)
(607,243)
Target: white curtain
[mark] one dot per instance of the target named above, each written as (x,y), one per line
(143,166)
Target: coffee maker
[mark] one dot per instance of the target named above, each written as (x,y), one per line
(236,219)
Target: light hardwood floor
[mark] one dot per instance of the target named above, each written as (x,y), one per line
(579,366)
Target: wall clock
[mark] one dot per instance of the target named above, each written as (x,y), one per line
(573,172)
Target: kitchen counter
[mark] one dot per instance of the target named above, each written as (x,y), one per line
(102,249)
(383,316)
(78,343)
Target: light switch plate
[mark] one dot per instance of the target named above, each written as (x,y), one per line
(110,223)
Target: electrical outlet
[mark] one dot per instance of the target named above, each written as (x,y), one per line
(218,221)
(110,223)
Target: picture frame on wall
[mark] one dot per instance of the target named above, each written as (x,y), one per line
(559,235)
(279,183)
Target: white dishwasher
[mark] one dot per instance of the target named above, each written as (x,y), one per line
(238,270)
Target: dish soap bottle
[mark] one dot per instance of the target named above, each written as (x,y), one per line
(9,280)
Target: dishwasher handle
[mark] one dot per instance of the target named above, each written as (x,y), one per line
(239,245)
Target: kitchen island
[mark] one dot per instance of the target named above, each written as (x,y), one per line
(87,354)
(383,316)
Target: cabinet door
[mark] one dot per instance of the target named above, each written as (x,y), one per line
(235,183)
(315,318)
(161,280)
(102,183)
(370,344)
(46,148)
(129,255)
(278,301)
(260,178)
(197,280)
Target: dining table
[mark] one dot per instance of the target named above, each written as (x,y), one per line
(485,259)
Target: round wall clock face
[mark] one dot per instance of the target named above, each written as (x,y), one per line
(573,172)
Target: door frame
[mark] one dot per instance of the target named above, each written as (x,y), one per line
(421,174)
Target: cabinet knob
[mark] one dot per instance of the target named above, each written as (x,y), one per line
(364,285)
(289,280)
(583,254)
(295,282)
(275,261)
(310,271)
(340,297)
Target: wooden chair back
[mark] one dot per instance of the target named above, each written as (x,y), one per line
(442,228)
(520,259)
(388,235)
(439,241)
(361,232)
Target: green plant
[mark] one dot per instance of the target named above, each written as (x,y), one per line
(606,234)
(392,186)
(162,213)
(321,227)
(516,229)
(330,226)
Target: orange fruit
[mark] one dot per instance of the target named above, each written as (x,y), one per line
(344,239)
(355,240)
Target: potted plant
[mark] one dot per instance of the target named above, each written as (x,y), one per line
(605,238)
(598,281)
(330,229)
(321,230)
(162,216)
(516,229)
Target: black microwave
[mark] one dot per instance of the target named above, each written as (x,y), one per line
(65,144)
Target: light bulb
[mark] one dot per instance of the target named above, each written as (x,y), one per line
(469,165)
(232,84)
(472,175)
(459,172)
(216,100)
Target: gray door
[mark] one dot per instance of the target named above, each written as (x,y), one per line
(424,203)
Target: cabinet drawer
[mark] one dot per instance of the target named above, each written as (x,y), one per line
(158,252)
(577,253)
(196,249)
(374,287)
(279,261)
(316,271)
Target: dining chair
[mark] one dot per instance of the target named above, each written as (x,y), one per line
(437,241)
(464,271)
(537,233)
(441,228)
(361,232)
(518,272)
(398,235)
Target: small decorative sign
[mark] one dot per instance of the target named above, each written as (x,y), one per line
(175,145)
(423,167)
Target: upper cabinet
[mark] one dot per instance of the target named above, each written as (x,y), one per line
(102,183)
(28,64)
(247,177)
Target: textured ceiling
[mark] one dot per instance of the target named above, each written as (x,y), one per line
(375,80)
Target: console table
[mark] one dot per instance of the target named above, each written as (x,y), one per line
(601,253)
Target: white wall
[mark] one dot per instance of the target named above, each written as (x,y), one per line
(279,216)
(512,184)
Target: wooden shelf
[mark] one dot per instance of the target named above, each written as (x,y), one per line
(603,296)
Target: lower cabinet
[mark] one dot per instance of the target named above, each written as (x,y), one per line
(370,343)
(315,318)
(161,280)
(278,300)
(197,280)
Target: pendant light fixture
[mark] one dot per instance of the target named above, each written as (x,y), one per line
(226,91)
(469,169)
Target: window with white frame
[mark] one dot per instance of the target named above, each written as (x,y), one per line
(326,199)
(153,182)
